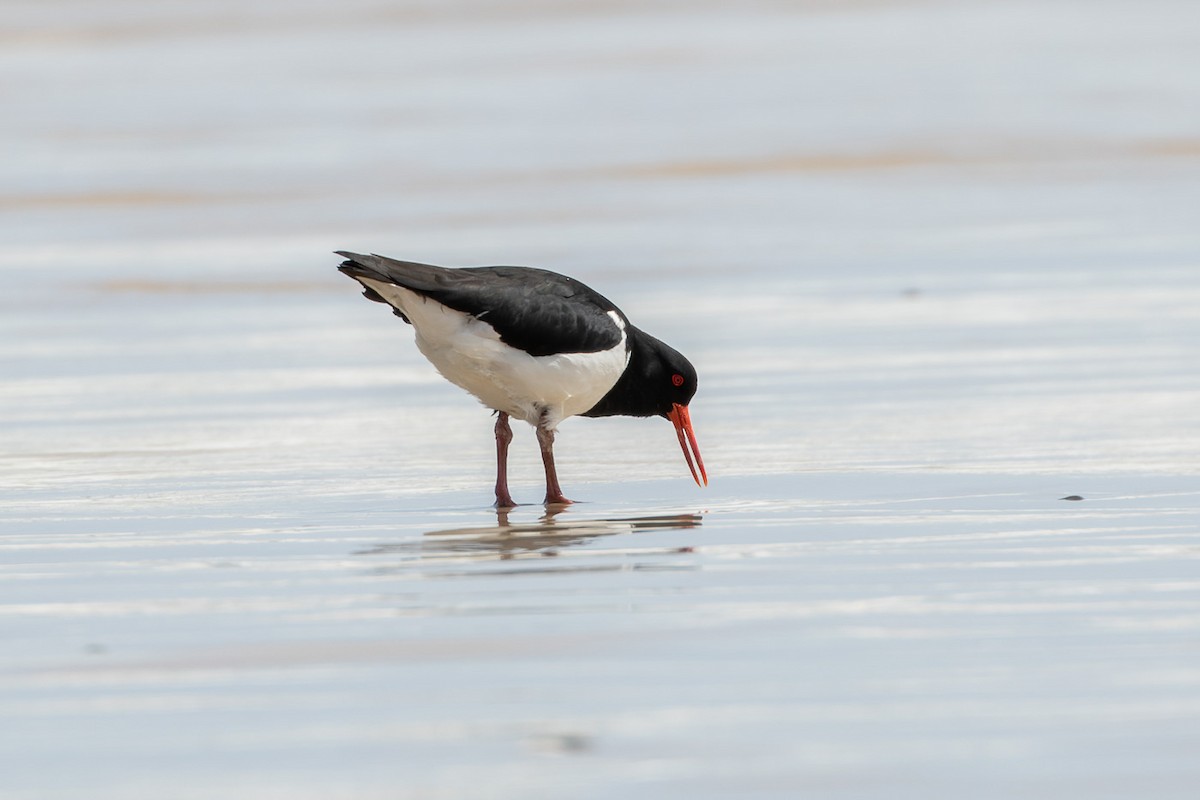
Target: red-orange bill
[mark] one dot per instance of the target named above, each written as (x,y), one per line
(687,440)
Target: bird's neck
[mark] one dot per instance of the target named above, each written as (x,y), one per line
(632,395)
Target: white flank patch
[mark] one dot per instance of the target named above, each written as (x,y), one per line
(468,353)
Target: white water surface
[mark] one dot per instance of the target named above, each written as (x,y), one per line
(938,266)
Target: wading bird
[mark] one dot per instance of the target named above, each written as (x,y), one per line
(535,345)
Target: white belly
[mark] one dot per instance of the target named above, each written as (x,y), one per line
(469,353)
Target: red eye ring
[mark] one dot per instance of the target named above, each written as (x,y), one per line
(677,379)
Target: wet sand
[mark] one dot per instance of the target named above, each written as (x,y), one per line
(935,285)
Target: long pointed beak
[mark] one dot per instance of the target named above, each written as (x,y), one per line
(687,440)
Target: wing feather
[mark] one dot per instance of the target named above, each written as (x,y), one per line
(535,310)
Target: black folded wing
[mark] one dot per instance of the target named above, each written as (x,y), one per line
(535,310)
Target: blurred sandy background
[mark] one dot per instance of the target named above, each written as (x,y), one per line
(938,264)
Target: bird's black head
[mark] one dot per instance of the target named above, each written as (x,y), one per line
(658,381)
(674,380)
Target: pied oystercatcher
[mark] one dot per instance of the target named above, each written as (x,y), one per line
(536,345)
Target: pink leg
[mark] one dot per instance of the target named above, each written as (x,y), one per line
(503,437)
(554,493)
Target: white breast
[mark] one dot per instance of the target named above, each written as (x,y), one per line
(468,353)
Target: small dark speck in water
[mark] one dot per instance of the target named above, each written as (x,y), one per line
(564,743)
(549,553)
(686,550)
(1072,497)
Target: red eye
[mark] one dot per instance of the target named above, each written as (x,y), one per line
(677,379)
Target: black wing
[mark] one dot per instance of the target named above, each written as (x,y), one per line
(535,310)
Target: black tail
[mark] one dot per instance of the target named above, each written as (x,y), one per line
(420,278)
(409,274)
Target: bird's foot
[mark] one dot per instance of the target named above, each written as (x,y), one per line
(557,499)
(503,503)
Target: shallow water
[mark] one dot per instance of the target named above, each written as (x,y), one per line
(937,265)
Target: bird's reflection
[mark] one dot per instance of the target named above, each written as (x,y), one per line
(546,536)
